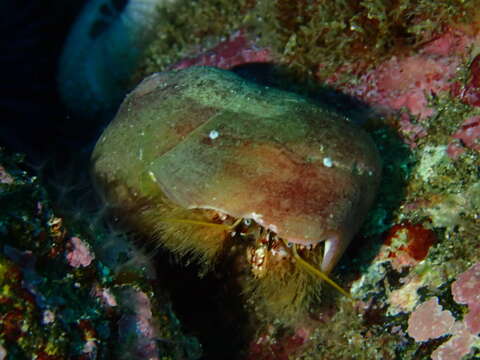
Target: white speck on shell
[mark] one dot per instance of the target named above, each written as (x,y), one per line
(213,134)
(327,162)
(152,176)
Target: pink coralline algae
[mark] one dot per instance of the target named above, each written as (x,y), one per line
(5,177)
(236,50)
(105,296)
(468,135)
(470,93)
(429,321)
(79,253)
(136,326)
(410,131)
(457,346)
(466,290)
(404,82)
(411,78)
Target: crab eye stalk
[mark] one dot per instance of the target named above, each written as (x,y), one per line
(200,159)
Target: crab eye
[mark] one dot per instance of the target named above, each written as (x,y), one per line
(212,143)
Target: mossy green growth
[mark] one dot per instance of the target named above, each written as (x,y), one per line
(309,37)
(350,32)
(185,26)
(344,337)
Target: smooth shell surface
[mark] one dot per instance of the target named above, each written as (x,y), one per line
(209,139)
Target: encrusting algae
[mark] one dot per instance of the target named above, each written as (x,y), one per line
(212,166)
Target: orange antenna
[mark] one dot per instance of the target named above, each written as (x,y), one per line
(315,272)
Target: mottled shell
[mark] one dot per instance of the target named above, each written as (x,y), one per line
(209,139)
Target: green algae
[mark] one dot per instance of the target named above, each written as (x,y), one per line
(353,33)
(186,26)
(311,38)
(344,337)
(46,305)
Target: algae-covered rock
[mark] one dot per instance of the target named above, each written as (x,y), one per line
(72,289)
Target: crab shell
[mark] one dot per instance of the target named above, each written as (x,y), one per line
(208,139)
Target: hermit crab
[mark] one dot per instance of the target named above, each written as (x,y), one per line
(211,165)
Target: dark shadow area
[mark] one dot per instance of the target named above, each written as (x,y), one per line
(397,161)
(34,120)
(209,307)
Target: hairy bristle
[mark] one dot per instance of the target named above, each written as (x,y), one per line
(187,232)
(282,285)
(287,290)
(314,271)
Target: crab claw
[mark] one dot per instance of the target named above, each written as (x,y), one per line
(334,248)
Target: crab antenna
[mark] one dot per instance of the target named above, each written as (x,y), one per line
(197,222)
(316,272)
(204,223)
